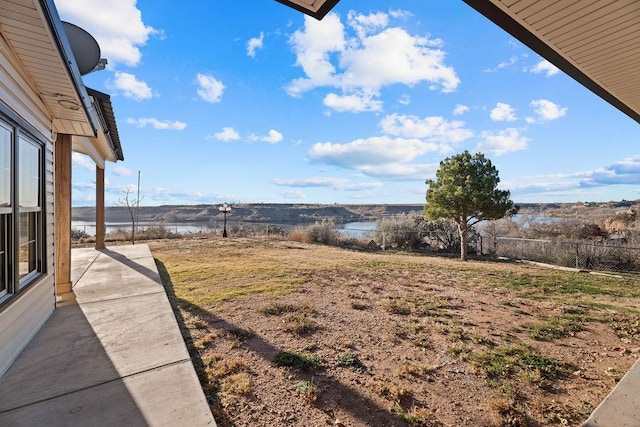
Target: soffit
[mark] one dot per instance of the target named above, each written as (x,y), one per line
(27,28)
(316,8)
(597,42)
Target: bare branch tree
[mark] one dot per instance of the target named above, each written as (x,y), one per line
(132,206)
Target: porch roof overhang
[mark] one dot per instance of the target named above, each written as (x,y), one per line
(316,8)
(593,41)
(596,42)
(35,35)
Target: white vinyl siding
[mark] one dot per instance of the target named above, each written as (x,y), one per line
(27,311)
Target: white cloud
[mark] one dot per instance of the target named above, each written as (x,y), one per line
(157,124)
(546,110)
(504,64)
(502,142)
(210,89)
(227,134)
(400,14)
(83,161)
(327,182)
(273,138)
(116,25)
(254,44)
(370,151)
(434,128)
(130,86)
(353,103)
(367,24)
(122,171)
(400,171)
(313,47)
(361,64)
(404,100)
(546,67)
(460,109)
(503,113)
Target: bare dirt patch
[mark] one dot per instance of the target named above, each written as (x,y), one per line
(285,333)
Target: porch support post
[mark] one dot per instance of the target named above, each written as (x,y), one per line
(63,214)
(100,218)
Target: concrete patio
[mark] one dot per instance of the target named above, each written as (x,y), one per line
(112,357)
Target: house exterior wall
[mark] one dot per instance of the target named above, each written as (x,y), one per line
(23,315)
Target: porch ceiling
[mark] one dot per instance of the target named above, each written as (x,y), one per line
(39,45)
(597,42)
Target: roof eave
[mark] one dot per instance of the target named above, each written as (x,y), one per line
(513,27)
(104,110)
(60,37)
(320,13)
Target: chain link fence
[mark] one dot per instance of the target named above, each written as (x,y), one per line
(581,255)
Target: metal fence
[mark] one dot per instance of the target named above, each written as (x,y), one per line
(581,255)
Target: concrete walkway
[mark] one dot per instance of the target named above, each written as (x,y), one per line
(114,358)
(621,408)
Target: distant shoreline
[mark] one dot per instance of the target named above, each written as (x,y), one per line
(292,213)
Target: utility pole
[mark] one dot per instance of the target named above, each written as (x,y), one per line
(138,202)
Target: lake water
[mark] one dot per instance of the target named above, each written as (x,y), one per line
(359,230)
(179,228)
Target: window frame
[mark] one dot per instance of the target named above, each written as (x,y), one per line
(15,285)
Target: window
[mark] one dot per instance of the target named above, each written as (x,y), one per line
(21,209)
(29,196)
(6,137)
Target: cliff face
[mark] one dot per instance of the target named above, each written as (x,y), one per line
(264,213)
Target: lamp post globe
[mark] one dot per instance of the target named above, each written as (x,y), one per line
(225,209)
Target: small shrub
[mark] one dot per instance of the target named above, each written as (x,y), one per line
(415,417)
(308,390)
(554,328)
(393,392)
(236,384)
(412,370)
(324,232)
(223,368)
(280,308)
(459,351)
(350,360)
(296,360)
(398,307)
(506,361)
(505,412)
(298,324)
(77,234)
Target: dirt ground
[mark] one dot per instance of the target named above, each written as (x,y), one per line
(372,339)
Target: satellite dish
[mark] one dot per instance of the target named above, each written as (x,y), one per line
(84,47)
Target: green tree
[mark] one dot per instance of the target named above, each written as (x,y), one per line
(465,191)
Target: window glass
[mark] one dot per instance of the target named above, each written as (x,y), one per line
(27,250)
(3,255)
(29,174)
(5,165)
(22,258)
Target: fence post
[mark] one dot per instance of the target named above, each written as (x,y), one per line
(481,253)
(522,248)
(383,240)
(577,255)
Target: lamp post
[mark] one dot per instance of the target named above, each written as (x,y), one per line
(225,209)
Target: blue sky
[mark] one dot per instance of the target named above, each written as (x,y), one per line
(218,102)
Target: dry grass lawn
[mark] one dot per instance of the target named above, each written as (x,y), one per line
(286,333)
